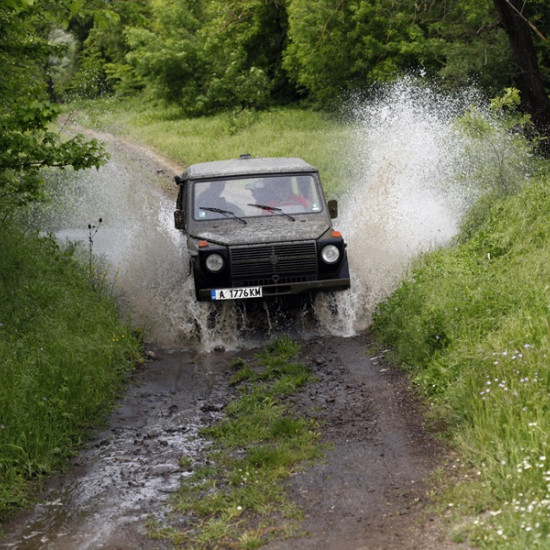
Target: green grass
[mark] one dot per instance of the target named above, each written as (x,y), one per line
(472,324)
(64,355)
(239,500)
(317,137)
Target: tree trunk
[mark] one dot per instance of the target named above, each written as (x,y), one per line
(534,99)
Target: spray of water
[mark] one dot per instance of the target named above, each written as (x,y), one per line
(411,183)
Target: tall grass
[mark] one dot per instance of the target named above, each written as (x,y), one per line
(63,357)
(472,323)
(292,132)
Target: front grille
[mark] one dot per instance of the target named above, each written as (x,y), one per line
(274,262)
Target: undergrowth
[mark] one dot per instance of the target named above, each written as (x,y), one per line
(236,498)
(472,323)
(63,356)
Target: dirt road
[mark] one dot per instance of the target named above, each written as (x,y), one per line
(369,493)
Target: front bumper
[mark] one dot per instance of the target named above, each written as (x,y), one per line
(204,294)
(279,269)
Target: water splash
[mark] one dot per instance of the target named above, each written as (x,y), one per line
(412,175)
(410,187)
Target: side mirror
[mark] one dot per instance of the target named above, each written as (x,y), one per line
(333,208)
(178,180)
(179,219)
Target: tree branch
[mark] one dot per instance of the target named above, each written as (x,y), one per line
(533,27)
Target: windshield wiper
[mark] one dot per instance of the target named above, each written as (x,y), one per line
(273,209)
(221,211)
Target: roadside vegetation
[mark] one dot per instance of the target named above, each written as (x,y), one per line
(471,325)
(64,357)
(235,497)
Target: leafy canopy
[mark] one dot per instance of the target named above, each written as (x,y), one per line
(27,144)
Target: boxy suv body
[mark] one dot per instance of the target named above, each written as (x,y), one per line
(259,227)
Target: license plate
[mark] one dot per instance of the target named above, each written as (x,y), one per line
(236,293)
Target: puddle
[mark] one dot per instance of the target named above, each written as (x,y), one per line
(126,473)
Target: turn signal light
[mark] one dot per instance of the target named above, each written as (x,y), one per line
(203,244)
(336,234)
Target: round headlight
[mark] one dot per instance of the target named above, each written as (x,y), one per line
(330,254)
(214,263)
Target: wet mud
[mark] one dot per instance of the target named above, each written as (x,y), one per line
(125,475)
(368,493)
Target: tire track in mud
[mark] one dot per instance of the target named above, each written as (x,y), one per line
(368,493)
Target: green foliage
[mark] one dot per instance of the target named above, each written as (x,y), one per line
(101,31)
(249,54)
(239,501)
(64,356)
(27,145)
(471,323)
(220,55)
(341,46)
(362,42)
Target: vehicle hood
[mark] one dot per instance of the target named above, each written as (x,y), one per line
(260,230)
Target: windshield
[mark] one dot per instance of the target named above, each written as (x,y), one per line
(257,196)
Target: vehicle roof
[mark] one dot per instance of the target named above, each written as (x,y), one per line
(246,165)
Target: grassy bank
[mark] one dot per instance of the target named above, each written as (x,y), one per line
(314,136)
(236,499)
(472,325)
(64,355)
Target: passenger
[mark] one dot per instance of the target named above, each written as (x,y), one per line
(211,197)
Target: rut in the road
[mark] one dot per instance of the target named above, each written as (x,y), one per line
(370,491)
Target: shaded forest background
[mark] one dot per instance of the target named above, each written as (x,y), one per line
(216,55)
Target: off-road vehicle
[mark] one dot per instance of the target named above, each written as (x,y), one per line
(259,227)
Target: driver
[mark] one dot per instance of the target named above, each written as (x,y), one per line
(211,197)
(286,196)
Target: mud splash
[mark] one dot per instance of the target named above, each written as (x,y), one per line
(408,192)
(137,250)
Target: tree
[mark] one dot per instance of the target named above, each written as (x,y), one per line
(343,45)
(27,142)
(102,34)
(208,56)
(534,99)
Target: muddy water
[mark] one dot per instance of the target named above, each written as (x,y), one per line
(124,476)
(406,194)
